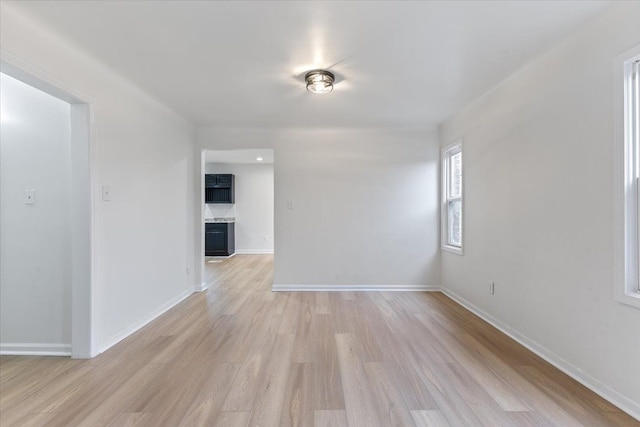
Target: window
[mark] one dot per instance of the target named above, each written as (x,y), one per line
(452,198)
(628,171)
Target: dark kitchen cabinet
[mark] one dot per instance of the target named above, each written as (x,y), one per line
(219,239)
(219,188)
(218,179)
(224,179)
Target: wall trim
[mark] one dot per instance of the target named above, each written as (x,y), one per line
(603,390)
(349,288)
(254,251)
(34,349)
(202,287)
(208,257)
(82,156)
(625,191)
(134,327)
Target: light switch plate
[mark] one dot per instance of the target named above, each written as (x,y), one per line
(106,193)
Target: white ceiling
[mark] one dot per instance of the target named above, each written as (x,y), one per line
(239,156)
(242,63)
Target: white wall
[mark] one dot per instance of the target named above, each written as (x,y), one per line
(539,207)
(35,273)
(144,152)
(253,206)
(365,204)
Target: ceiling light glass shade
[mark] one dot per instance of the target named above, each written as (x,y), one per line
(319,81)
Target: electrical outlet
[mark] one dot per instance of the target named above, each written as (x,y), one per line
(491,288)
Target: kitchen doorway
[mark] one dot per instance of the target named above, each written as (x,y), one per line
(237,205)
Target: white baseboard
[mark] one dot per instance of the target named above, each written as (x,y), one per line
(35,349)
(623,402)
(134,327)
(254,251)
(202,287)
(349,288)
(219,256)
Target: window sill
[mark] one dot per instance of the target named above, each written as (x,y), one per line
(631,298)
(452,249)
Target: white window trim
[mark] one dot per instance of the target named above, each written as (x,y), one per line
(444,214)
(626,232)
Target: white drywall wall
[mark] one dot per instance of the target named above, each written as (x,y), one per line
(365,203)
(144,152)
(539,206)
(253,206)
(35,250)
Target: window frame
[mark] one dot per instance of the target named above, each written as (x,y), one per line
(445,177)
(627,191)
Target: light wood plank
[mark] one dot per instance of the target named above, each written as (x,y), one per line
(322,305)
(239,354)
(103,414)
(243,389)
(297,409)
(207,403)
(432,418)
(267,407)
(232,419)
(327,384)
(361,410)
(136,419)
(492,384)
(457,380)
(529,419)
(392,409)
(577,408)
(34,420)
(333,418)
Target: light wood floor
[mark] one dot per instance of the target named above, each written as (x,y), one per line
(240,355)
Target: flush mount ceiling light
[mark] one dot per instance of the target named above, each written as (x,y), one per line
(319,81)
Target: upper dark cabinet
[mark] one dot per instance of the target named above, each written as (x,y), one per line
(225,179)
(214,180)
(210,180)
(219,188)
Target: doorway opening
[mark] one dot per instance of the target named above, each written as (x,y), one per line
(46,216)
(236,205)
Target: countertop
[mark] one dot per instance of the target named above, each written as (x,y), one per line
(222,220)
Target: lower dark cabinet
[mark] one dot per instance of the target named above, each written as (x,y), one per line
(219,239)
